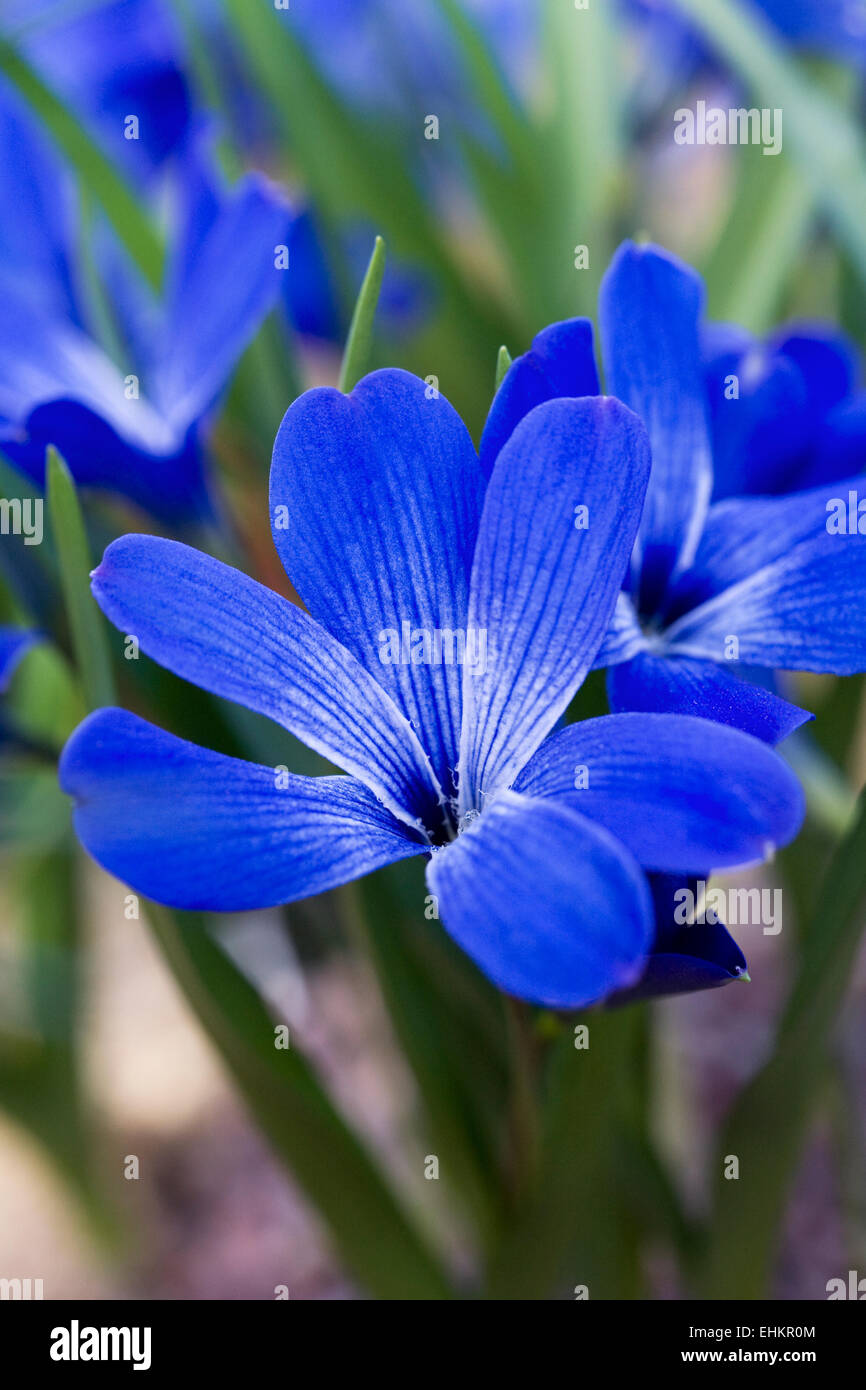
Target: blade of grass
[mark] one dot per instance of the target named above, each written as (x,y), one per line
(86,623)
(357,351)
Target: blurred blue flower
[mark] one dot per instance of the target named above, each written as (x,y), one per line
(798,418)
(386,58)
(448,628)
(110,60)
(134,422)
(754,582)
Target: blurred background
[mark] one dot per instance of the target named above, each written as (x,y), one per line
(502,149)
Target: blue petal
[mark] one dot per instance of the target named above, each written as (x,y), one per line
(58,387)
(680,685)
(624,637)
(760,435)
(649,309)
(112,59)
(549,905)
(220,629)
(683,958)
(841,445)
(224,284)
(680,793)
(561,362)
(375,503)
(308,288)
(37,228)
(826,359)
(15,642)
(197,830)
(742,535)
(170,486)
(543,590)
(801,612)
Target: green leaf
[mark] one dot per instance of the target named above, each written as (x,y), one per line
(356,356)
(574,1228)
(450,1024)
(40,1077)
(751,264)
(96,172)
(34,813)
(503,362)
(768,1124)
(376,1238)
(817,131)
(86,623)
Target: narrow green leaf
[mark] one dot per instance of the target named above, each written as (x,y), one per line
(96,172)
(86,623)
(817,131)
(375,1236)
(451,1029)
(357,352)
(768,1125)
(488,85)
(574,1228)
(503,362)
(752,261)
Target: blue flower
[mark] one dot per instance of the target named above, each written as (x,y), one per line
(798,419)
(134,424)
(755,582)
(109,61)
(449,625)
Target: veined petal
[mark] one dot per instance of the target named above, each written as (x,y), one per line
(546,903)
(803,612)
(559,522)
(680,793)
(624,638)
(653,683)
(743,534)
(218,628)
(561,362)
(650,308)
(197,830)
(375,502)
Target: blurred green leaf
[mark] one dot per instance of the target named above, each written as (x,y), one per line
(356,356)
(34,813)
(768,1123)
(96,172)
(40,1078)
(375,1236)
(818,133)
(574,1228)
(86,623)
(450,1024)
(751,263)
